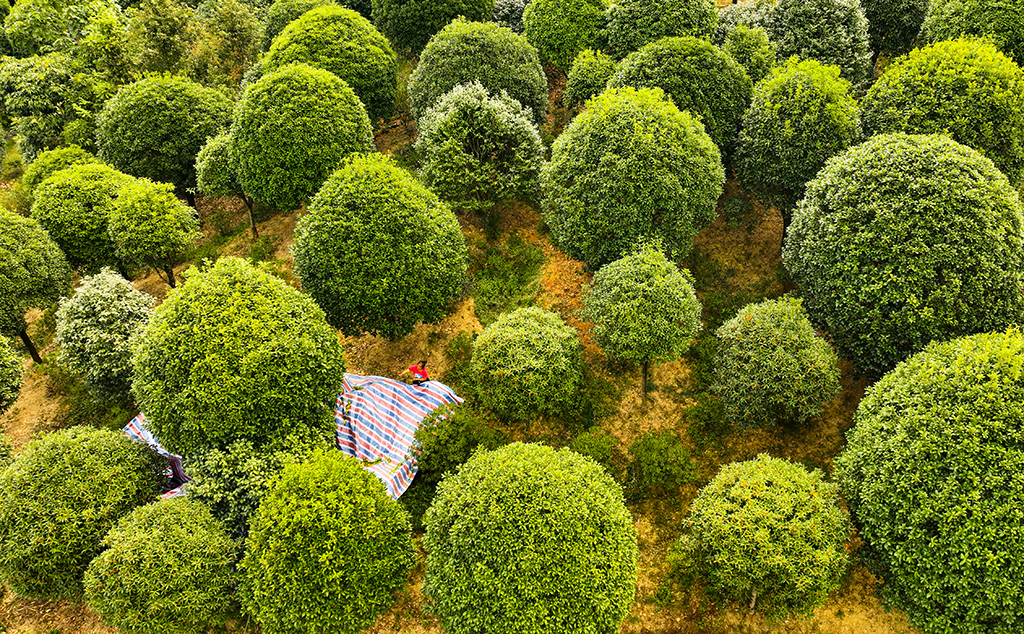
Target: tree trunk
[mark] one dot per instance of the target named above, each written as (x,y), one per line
(252,221)
(753,599)
(169,270)
(643,383)
(191,198)
(31,346)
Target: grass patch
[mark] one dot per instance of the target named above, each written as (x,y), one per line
(504,277)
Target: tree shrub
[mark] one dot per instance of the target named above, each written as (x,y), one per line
(659,463)
(684,67)
(644,309)
(750,13)
(632,24)
(477,151)
(904,240)
(752,49)
(6,446)
(602,448)
(291,129)
(494,56)
(327,551)
(894,25)
(771,367)
(509,14)
(341,41)
(588,76)
(519,526)
(149,226)
(33,274)
(34,27)
(284,12)
(155,127)
(10,386)
(834,32)
(560,29)
(167,568)
(52,161)
(94,327)
(630,166)
(966,89)
(528,363)
(216,176)
(59,498)
(257,362)
(226,45)
(161,34)
(768,533)
(74,205)
(801,116)
(410,24)
(931,475)
(950,19)
(378,251)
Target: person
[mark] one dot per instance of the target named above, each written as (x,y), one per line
(419,373)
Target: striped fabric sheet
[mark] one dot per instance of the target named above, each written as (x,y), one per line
(138,430)
(376,418)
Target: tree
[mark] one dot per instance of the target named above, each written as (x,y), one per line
(560,29)
(527,363)
(155,127)
(33,273)
(801,116)
(509,14)
(635,23)
(950,19)
(643,308)
(215,174)
(771,367)
(161,34)
(465,52)
(378,251)
(630,166)
(59,498)
(519,526)
(768,533)
(752,14)
(74,206)
(904,240)
(167,568)
(327,551)
(478,151)
(588,76)
(345,43)
(894,25)
(966,89)
(683,67)
(10,381)
(227,43)
(410,24)
(94,329)
(149,226)
(931,475)
(291,129)
(833,32)
(6,450)
(752,49)
(36,27)
(236,354)
(284,12)
(50,162)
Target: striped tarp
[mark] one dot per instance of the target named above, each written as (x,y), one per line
(138,430)
(376,418)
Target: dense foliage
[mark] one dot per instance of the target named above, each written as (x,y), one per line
(894,25)
(630,166)
(634,23)
(74,205)
(149,226)
(52,161)
(236,354)
(342,41)
(659,462)
(801,116)
(949,19)
(771,367)
(750,13)
(527,363)
(494,56)
(684,67)
(752,49)
(560,29)
(155,127)
(932,476)
(378,251)
(291,129)
(833,32)
(10,381)
(477,151)
(904,240)
(509,14)
(39,26)
(966,89)
(167,569)
(284,12)
(327,550)
(543,534)
(6,450)
(588,76)
(160,34)
(94,329)
(770,534)
(59,498)
(410,24)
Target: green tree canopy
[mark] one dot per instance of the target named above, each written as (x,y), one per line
(410,24)
(834,32)
(1000,20)
(634,23)
(10,380)
(560,29)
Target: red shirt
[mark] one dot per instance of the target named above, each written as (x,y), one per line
(419,373)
